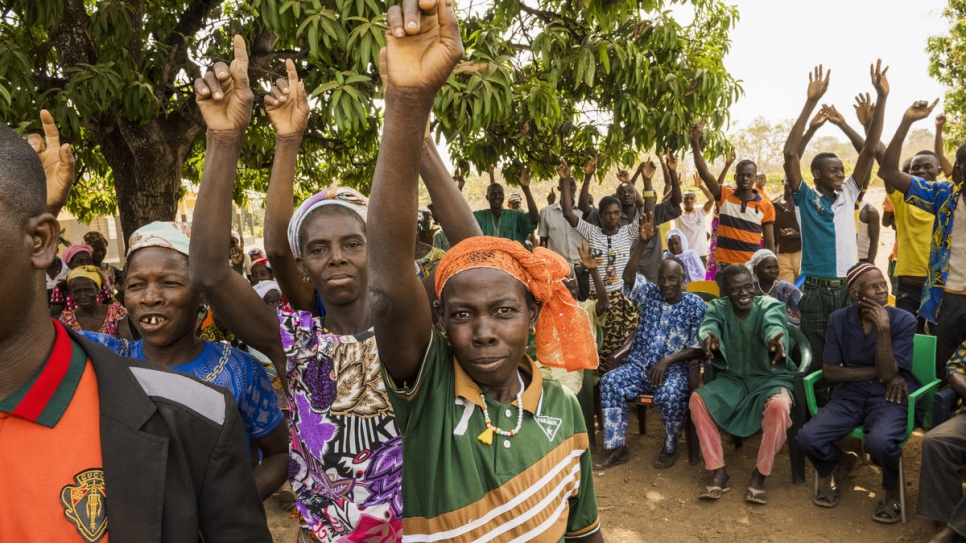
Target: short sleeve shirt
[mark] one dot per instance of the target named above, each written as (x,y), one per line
(829,245)
(695,229)
(847,345)
(664,329)
(534,486)
(740,226)
(512,224)
(612,252)
(561,237)
(913,231)
(653,251)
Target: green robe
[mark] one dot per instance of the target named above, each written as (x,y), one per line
(744,376)
(513,224)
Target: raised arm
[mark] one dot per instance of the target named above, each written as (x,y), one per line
(422,48)
(863,165)
(709,198)
(589,263)
(940,149)
(57,161)
(225,100)
(525,178)
(817,121)
(817,85)
(288,111)
(714,187)
(452,210)
(870,216)
(647,232)
(896,179)
(567,201)
(646,171)
(583,204)
(670,163)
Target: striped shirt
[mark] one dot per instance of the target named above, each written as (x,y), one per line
(740,226)
(534,486)
(612,252)
(829,245)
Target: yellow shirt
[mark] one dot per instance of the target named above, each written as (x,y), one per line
(913,233)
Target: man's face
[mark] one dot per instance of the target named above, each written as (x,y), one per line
(573,189)
(689,200)
(513,204)
(494,196)
(100,251)
(740,289)
(670,279)
(830,174)
(610,216)
(84,292)
(872,286)
(760,181)
(674,245)
(162,302)
(82,258)
(334,257)
(487,318)
(925,166)
(626,194)
(745,177)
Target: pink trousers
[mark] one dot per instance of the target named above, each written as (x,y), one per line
(774,423)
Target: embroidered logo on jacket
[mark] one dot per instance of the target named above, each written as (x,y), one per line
(85,504)
(549,425)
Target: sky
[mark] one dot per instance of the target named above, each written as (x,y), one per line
(776,43)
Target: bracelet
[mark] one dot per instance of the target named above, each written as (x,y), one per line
(650,194)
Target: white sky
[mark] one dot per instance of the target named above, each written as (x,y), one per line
(776,43)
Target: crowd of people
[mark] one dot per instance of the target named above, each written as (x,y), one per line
(447,383)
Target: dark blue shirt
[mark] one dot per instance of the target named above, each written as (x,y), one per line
(847,345)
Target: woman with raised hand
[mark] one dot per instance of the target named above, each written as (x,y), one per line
(345,448)
(491,451)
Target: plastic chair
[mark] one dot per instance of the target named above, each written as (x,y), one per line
(801,353)
(892,301)
(924,368)
(708,287)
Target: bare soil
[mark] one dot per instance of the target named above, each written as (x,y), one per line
(641,504)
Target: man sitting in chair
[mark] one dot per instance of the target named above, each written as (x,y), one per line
(868,354)
(666,339)
(943,457)
(742,335)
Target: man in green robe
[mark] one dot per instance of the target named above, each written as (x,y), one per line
(742,335)
(508,223)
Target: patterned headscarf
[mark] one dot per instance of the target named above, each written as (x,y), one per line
(94,237)
(86,272)
(563,336)
(168,235)
(71,252)
(342,196)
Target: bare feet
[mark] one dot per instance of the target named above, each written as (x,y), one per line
(665,459)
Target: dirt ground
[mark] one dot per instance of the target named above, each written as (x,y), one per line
(640,504)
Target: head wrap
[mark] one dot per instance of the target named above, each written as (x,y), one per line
(680,235)
(857,272)
(259,261)
(756,259)
(168,235)
(514,197)
(342,196)
(264,287)
(86,272)
(71,252)
(94,237)
(563,336)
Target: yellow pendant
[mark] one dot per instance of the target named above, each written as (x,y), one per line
(487,436)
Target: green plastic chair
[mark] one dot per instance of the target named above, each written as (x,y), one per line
(924,368)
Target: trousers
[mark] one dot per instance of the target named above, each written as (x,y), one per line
(940,486)
(625,383)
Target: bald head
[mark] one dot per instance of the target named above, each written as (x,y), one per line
(23,186)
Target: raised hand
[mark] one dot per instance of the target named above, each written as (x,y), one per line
(287,104)
(940,121)
(623,175)
(648,168)
(879,80)
(696,131)
(525,177)
(833,115)
(919,110)
(563,169)
(224,95)
(864,108)
(731,156)
(819,119)
(696,179)
(57,160)
(423,46)
(671,161)
(591,166)
(710,344)
(818,83)
(647,231)
(776,346)
(587,258)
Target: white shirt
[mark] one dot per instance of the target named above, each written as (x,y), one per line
(695,229)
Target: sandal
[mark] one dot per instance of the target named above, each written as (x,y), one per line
(713,492)
(889,512)
(826,496)
(756,495)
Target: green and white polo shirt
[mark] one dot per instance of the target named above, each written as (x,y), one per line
(534,486)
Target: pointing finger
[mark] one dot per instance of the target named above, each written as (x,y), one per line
(50,129)
(239,66)
(293,74)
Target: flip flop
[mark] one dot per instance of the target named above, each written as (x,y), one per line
(756,495)
(713,492)
(887,512)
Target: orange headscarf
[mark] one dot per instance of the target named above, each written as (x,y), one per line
(563,335)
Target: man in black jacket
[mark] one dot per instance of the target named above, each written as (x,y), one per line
(92,443)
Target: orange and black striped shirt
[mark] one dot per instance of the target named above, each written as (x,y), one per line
(740,226)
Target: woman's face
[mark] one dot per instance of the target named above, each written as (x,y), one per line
(82,258)
(767,269)
(487,318)
(261,273)
(160,299)
(100,251)
(84,292)
(334,257)
(674,245)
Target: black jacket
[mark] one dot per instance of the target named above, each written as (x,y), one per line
(176,466)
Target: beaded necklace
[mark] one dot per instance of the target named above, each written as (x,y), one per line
(487,435)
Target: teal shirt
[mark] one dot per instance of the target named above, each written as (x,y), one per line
(512,224)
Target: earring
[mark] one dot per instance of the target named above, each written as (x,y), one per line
(306,279)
